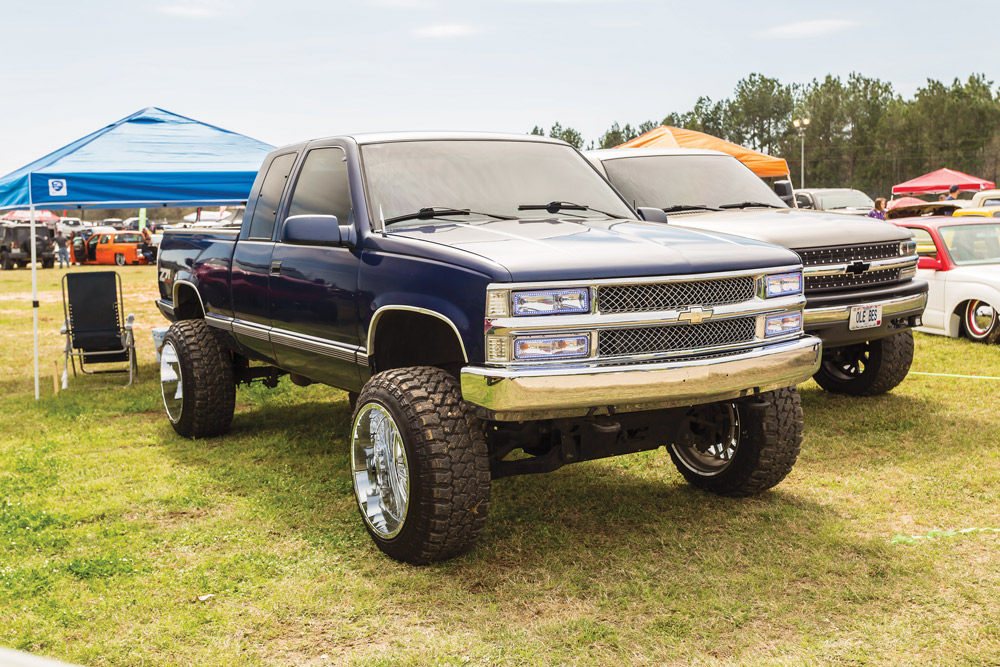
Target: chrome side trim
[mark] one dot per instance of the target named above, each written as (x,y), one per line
(361,359)
(166,308)
(251,329)
(874,265)
(890,307)
(329,348)
(178,283)
(219,321)
(515,394)
(413,309)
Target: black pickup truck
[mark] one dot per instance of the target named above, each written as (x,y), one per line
(862,299)
(494,308)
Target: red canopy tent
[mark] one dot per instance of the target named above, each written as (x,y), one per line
(903,201)
(940,181)
(25,216)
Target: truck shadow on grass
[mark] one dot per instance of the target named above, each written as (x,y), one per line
(624,512)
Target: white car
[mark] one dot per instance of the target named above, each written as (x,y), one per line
(960,259)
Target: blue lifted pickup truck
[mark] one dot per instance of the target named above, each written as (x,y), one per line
(495,308)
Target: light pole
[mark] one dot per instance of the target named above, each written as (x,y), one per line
(801,124)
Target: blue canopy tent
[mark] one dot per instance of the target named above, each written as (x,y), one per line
(150,158)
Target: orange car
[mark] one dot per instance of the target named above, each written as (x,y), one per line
(119,248)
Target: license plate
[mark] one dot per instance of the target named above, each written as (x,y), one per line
(865,317)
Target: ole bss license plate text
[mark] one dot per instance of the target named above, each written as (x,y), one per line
(865,317)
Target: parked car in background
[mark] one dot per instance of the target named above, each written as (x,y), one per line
(15,246)
(115,247)
(960,259)
(985,198)
(838,200)
(495,308)
(933,208)
(862,299)
(978,212)
(116,223)
(68,225)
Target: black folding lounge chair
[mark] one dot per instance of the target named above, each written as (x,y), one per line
(95,331)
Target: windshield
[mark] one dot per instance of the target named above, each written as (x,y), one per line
(486,177)
(849,199)
(972,244)
(662,181)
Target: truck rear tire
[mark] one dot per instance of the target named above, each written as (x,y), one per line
(196,380)
(741,448)
(867,369)
(420,465)
(48,263)
(5,262)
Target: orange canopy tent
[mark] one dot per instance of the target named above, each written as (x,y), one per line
(674,137)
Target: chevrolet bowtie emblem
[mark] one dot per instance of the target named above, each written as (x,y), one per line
(858,267)
(695,315)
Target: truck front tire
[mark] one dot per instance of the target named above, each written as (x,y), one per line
(196,380)
(980,322)
(867,369)
(420,465)
(741,448)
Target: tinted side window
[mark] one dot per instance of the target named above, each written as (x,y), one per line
(266,210)
(322,187)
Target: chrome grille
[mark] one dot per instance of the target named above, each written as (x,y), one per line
(649,297)
(674,337)
(847,280)
(848,254)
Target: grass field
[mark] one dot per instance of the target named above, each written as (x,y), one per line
(114,532)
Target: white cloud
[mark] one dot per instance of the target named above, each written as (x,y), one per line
(186,11)
(802,29)
(446,30)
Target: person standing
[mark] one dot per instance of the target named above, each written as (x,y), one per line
(952,193)
(879,211)
(62,249)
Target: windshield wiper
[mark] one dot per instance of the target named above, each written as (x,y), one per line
(430,212)
(556,206)
(748,204)
(689,207)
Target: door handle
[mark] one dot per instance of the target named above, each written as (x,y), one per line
(275,267)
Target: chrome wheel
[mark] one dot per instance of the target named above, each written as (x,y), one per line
(171,382)
(713,440)
(980,318)
(380,469)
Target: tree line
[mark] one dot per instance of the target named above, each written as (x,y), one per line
(861,134)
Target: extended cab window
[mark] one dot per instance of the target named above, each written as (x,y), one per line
(322,187)
(925,243)
(266,210)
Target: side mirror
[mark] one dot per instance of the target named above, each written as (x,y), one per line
(932,263)
(785,192)
(315,230)
(650,214)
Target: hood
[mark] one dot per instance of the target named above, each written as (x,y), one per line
(794,229)
(561,249)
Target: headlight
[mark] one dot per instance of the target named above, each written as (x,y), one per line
(551,347)
(782,284)
(547,302)
(907,247)
(785,323)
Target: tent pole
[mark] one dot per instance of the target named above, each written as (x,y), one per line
(34,285)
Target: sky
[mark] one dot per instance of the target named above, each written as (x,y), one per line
(288,70)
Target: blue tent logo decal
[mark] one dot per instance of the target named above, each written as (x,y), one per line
(57,187)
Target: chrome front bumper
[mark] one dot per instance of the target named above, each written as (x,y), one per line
(546,392)
(817,317)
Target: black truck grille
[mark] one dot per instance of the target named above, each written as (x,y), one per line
(675,337)
(848,254)
(848,280)
(649,297)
